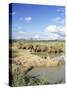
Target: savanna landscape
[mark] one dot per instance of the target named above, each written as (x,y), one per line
(28,54)
(36,44)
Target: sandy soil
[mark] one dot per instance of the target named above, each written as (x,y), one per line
(26,61)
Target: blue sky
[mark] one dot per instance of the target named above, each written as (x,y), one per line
(37,21)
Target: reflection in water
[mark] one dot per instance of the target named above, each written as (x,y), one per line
(51,74)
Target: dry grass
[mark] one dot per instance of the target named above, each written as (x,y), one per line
(23,59)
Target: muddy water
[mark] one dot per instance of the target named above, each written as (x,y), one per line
(50,74)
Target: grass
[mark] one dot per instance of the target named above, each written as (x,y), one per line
(26,58)
(20,80)
(48,47)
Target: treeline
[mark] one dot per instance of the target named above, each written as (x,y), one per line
(24,40)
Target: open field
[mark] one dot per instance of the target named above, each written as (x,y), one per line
(25,55)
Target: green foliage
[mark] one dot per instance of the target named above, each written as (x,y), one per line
(22,80)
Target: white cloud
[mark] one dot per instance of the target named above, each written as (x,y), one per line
(18,37)
(56,31)
(21,32)
(61,19)
(58,20)
(28,19)
(60,10)
(53,36)
(51,28)
(36,36)
(62,31)
(51,32)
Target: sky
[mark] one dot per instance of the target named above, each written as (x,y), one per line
(41,22)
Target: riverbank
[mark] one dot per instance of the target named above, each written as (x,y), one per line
(25,60)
